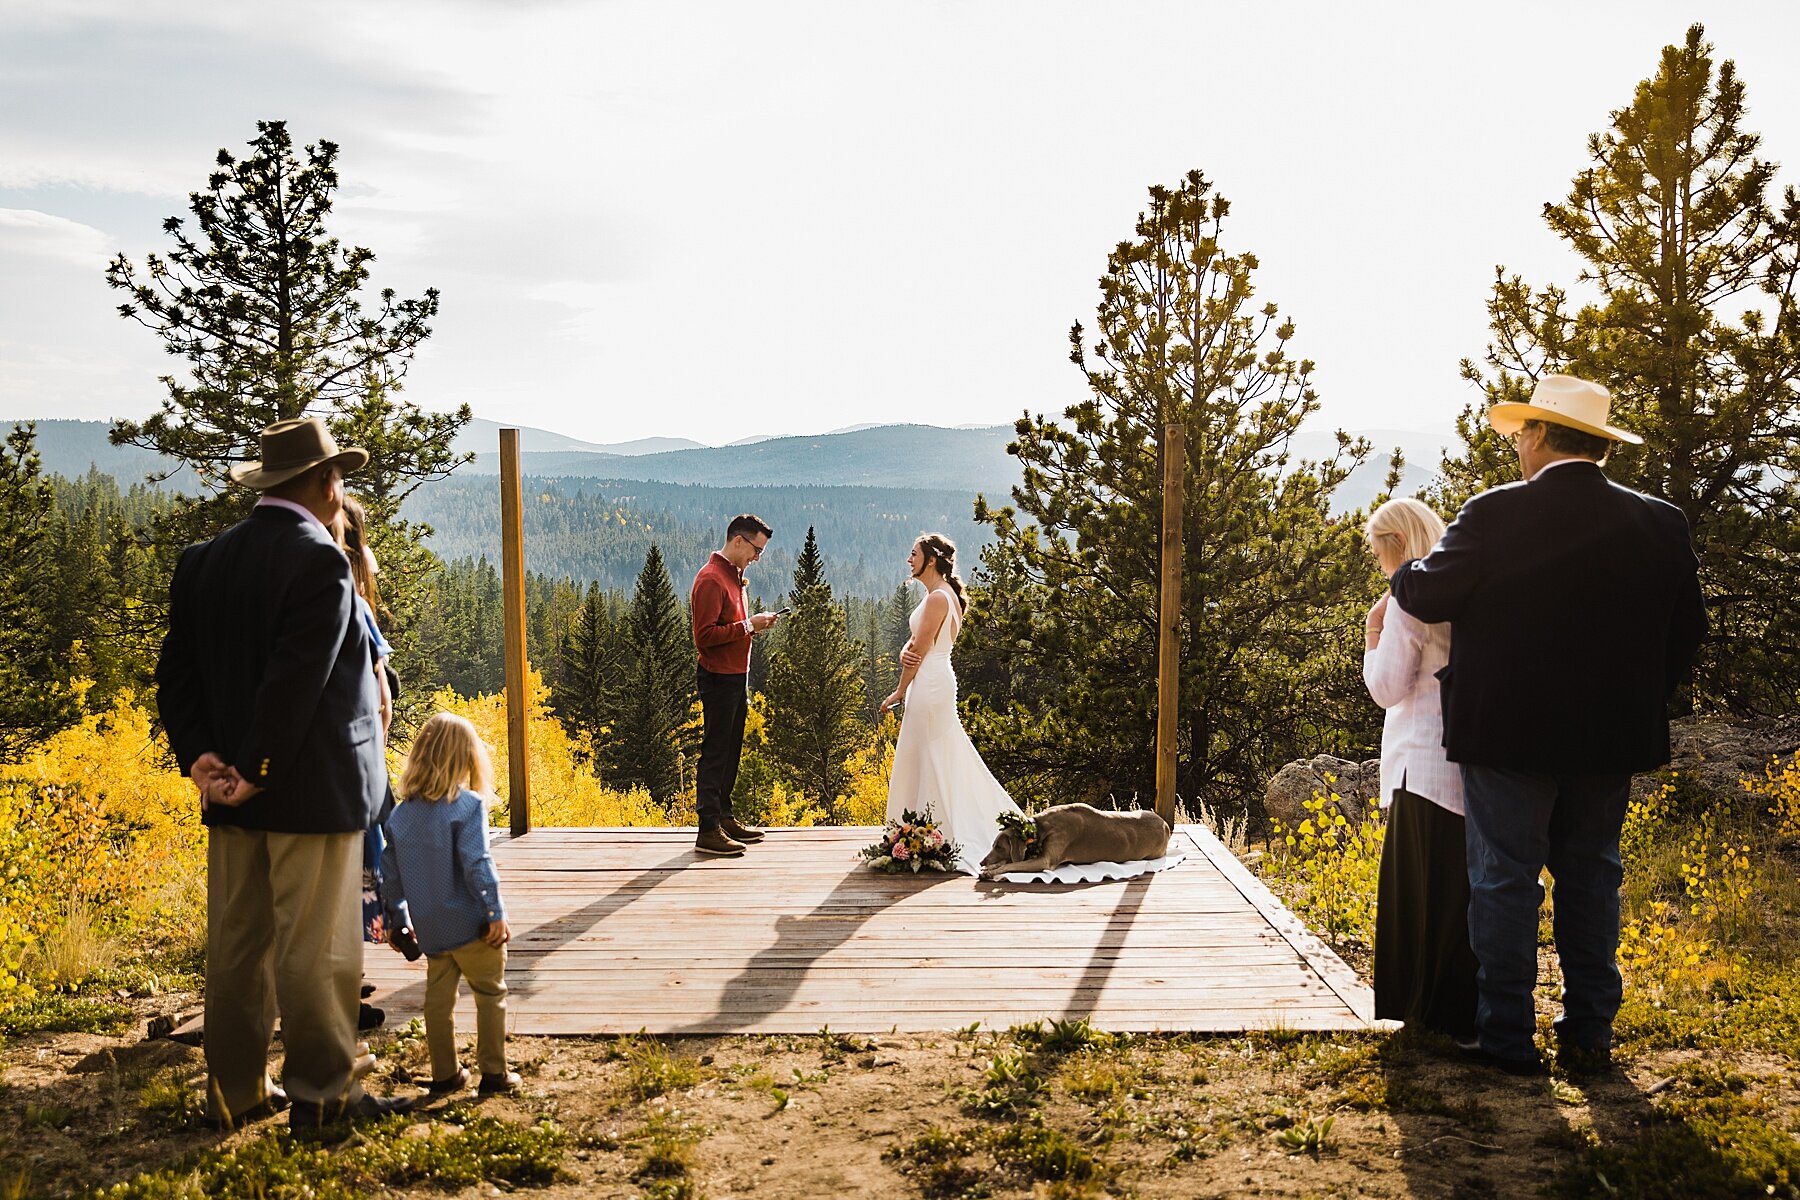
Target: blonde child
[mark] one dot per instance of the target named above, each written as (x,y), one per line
(438,881)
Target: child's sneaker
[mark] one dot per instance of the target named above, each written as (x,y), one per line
(500,1085)
(455,1083)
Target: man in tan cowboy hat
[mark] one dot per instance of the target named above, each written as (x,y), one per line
(1575,611)
(265,687)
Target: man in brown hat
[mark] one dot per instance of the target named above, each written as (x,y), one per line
(1575,611)
(265,689)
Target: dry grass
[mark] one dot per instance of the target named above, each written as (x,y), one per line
(74,951)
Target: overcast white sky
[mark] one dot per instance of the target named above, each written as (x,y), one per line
(719,220)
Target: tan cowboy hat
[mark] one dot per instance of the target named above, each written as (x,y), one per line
(1563,400)
(291,448)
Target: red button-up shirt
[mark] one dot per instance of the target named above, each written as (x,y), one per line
(721,618)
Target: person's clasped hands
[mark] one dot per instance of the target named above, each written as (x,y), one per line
(219,782)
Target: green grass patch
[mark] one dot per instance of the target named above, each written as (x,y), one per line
(651,1070)
(667,1146)
(387,1155)
(168,1101)
(58,1012)
(1042,1154)
(1714,1137)
(937,1161)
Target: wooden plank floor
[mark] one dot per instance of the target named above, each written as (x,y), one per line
(617,930)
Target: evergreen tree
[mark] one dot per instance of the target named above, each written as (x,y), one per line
(881,670)
(897,624)
(36,695)
(1690,317)
(584,668)
(265,308)
(815,688)
(1273,586)
(648,700)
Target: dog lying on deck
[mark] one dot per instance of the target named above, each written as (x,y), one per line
(1074,833)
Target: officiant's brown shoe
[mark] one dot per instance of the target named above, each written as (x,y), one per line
(712,840)
(742,833)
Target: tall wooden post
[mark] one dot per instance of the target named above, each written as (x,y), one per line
(512,587)
(1168,641)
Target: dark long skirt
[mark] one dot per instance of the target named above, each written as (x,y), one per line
(1424,969)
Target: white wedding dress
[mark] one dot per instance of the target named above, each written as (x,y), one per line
(936,767)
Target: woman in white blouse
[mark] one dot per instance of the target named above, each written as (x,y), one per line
(1424,969)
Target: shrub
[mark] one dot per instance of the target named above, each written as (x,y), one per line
(1327,869)
(1783,793)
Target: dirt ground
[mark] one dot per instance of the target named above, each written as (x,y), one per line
(907,1115)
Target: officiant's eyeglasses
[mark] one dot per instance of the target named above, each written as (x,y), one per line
(755,550)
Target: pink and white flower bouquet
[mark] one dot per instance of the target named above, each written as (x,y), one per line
(912,843)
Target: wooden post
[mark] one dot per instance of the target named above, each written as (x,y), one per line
(1168,641)
(512,587)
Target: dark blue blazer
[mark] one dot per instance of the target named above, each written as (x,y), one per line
(1575,612)
(267,664)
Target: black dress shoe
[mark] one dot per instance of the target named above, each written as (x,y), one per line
(1473,1052)
(313,1115)
(713,841)
(274,1102)
(742,833)
(501,1084)
(369,1017)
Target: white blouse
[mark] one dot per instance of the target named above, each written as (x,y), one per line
(1401,673)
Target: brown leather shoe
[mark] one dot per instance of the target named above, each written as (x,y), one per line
(742,833)
(712,840)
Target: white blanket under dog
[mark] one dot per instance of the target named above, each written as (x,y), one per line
(1095,872)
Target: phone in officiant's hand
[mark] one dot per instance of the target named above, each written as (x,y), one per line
(782,612)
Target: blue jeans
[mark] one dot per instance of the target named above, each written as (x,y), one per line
(1520,822)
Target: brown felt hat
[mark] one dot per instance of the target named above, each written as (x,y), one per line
(291,448)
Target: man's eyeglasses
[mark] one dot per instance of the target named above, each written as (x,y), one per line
(755,550)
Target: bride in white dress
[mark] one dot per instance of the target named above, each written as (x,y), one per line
(936,767)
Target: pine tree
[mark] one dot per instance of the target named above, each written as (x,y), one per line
(650,697)
(585,665)
(1691,318)
(36,695)
(265,308)
(815,689)
(881,670)
(1272,584)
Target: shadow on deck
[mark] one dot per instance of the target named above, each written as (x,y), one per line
(617,930)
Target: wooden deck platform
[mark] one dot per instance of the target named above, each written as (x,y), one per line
(617,930)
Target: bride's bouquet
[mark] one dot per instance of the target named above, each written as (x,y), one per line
(912,843)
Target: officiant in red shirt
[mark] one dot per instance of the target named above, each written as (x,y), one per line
(723,628)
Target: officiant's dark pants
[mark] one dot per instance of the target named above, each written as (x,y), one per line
(724,703)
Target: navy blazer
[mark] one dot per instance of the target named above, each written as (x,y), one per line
(267,665)
(1575,612)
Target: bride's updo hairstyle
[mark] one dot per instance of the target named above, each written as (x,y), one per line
(942,551)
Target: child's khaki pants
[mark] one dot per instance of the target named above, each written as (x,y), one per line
(485,968)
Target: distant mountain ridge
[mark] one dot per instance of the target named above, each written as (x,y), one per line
(888,456)
(968,460)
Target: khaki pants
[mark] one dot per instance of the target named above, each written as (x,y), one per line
(283,934)
(485,968)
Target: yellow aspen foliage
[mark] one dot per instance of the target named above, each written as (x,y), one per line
(864,801)
(564,790)
(98,821)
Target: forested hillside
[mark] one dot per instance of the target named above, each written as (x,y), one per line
(600,530)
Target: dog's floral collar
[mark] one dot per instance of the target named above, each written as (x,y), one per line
(1021,827)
